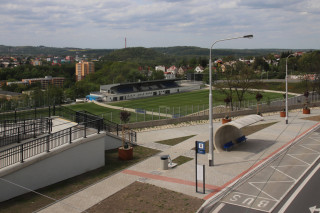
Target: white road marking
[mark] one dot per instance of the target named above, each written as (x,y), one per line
(290,165)
(314,209)
(315,139)
(275,168)
(219,208)
(252,184)
(294,195)
(304,146)
(254,196)
(291,155)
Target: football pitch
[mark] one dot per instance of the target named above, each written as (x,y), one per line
(195,98)
(175,105)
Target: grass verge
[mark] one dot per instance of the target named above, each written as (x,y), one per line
(32,202)
(143,197)
(181,160)
(312,118)
(248,130)
(174,141)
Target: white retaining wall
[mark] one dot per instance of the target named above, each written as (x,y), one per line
(50,168)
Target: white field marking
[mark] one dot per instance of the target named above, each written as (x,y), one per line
(294,195)
(275,168)
(219,208)
(252,184)
(299,159)
(291,165)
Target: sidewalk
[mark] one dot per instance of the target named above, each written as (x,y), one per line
(229,166)
(132,110)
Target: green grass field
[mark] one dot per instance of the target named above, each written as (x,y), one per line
(194,98)
(111,114)
(180,104)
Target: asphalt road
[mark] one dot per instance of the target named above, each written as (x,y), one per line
(305,197)
(291,183)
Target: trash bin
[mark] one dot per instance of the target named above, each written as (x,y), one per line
(164,159)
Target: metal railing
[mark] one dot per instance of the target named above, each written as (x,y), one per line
(16,132)
(88,124)
(28,113)
(129,135)
(46,143)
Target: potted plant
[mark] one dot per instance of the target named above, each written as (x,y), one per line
(125,152)
(259,96)
(283,112)
(306,109)
(227,118)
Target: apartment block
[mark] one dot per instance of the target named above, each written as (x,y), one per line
(83,69)
(46,81)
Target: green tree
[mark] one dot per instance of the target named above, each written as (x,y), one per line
(157,75)
(237,79)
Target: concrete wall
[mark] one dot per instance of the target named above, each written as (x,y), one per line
(50,168)
(225,134)
(112,141)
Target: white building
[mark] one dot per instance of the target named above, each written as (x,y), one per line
(169,75)
(127,91)
(199,69)
(160,68)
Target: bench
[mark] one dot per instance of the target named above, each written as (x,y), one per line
(228,145)
(241,139)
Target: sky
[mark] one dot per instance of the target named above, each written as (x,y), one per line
(104,24)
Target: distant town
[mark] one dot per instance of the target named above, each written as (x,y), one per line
(75,76)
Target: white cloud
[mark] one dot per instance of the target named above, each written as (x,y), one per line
(87,23)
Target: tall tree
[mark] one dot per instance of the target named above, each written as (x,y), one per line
(237,80)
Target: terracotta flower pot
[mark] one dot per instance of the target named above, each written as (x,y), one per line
(282,114)
(125,154)
(225,120)
(306,111)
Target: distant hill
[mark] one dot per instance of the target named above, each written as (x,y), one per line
(197,51)
(54,51)
(141,53)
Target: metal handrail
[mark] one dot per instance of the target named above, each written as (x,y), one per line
(46,143)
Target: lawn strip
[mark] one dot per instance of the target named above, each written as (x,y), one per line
(174,141)
(248,130)
(181,160)
(144,197)
(312,118)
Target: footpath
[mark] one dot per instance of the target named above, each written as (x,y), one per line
(132,110)
(228,167)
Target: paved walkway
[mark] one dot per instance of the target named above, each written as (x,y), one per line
(132,110)
(229,166)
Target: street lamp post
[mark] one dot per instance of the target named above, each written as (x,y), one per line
(210,156)
(287,87)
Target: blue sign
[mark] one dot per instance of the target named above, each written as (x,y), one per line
(201,147)
(141,111)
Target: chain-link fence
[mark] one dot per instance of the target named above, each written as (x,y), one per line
(167,112)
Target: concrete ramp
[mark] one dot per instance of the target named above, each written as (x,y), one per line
(232,130)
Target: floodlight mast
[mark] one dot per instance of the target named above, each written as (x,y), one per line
(210,155)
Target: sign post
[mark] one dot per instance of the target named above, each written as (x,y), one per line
(200,169)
